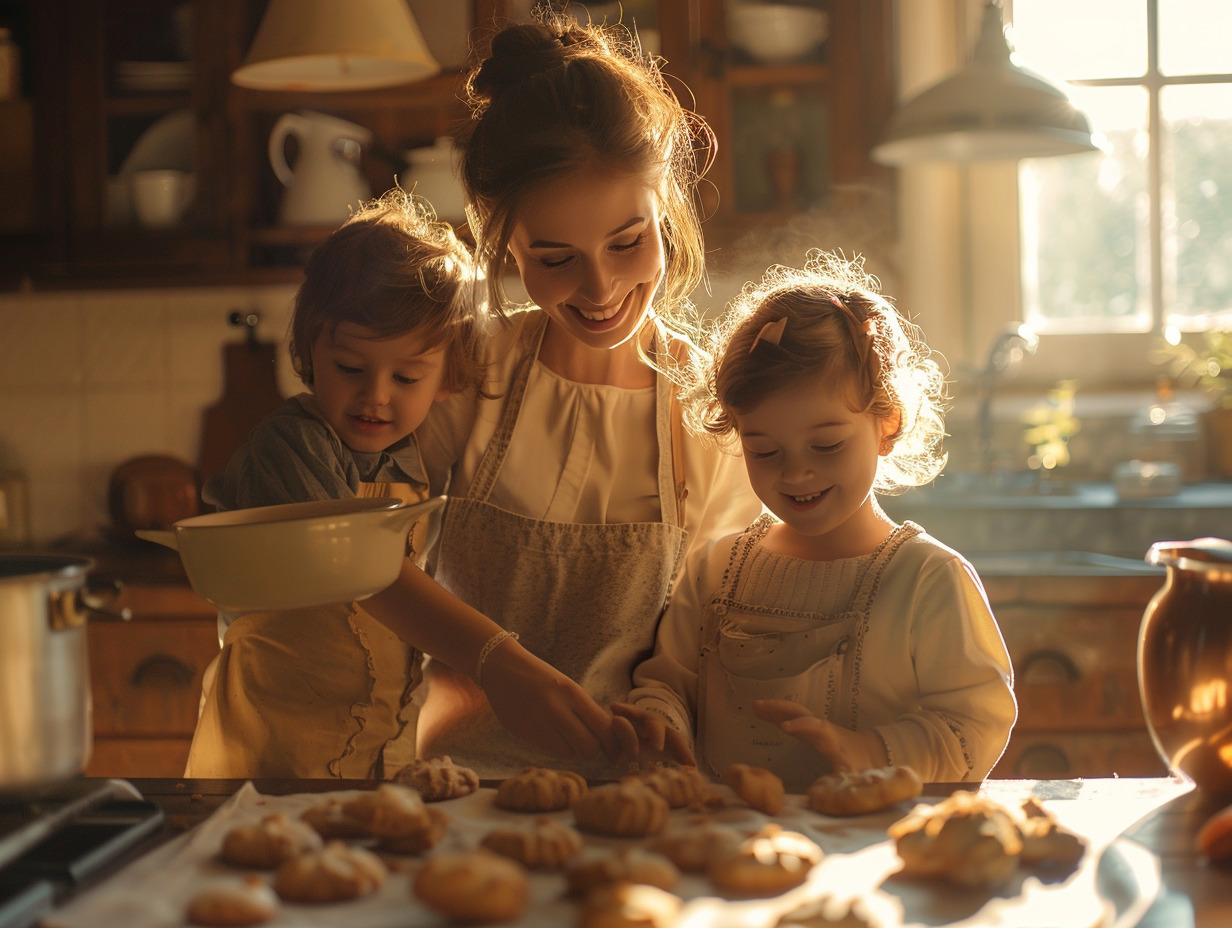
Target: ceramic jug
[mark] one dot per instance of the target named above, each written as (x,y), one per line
(326,183)
(1185,661)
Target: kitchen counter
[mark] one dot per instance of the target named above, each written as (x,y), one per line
(1156,820)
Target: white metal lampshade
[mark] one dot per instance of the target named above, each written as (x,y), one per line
(315,45)
(992,109)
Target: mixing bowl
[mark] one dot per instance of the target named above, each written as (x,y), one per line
(296,554)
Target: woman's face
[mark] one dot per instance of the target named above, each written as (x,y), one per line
(590,253)
(375,390)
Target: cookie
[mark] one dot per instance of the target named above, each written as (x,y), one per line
(335,873)
(540,789)
(268,843)
(680,786)
(863,791)
(438,778)
(627,865)
(233,903)
(966,839)
(693,845)
(629,905)
(767,863)
(330,820)
(389,811)
(418,840)
(474,886)
(547,845)
(758,787)
(628,809)
(1045,843)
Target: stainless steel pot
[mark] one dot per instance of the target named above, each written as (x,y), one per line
(45,710)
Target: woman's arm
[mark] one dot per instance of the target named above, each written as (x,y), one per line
(532,699)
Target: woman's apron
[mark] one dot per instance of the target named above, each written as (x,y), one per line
(751,650)
(319,692)
(586,598)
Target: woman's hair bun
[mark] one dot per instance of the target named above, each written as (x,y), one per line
(519,53)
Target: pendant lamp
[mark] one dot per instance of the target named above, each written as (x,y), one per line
(991,110)
(334,45)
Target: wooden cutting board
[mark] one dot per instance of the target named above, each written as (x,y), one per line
(249,393)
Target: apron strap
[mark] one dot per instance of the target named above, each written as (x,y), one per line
(677,350)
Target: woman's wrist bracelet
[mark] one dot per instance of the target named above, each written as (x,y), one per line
(488,647)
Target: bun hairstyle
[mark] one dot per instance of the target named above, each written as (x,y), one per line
(392,268)
(828,318)
(554,95)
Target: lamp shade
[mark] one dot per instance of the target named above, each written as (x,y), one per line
(990,110)
(315,45)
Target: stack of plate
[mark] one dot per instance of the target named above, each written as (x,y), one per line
(154,76)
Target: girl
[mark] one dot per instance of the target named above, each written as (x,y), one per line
(825,635)
(383,330)
(567,516)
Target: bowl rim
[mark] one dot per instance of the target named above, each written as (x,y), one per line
(283,513)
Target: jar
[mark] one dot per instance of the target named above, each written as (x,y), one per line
(1185,661)
(1169,432)
(10,66)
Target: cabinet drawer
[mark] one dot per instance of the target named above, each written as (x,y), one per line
(138,757)
(145,675)
(1067,754)
(1074,669)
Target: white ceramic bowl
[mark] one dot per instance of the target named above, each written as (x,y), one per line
(776,33)
(294,555)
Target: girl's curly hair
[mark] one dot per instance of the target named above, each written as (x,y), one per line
(832,320)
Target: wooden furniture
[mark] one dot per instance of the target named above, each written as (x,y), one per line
(145,679)
(85,109)
(1158,817)
(1073,641)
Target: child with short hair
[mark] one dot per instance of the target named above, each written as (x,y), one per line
(825,636)
(384,327)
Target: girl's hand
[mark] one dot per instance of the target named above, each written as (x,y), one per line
(845,749)
(647,737)
(545,708)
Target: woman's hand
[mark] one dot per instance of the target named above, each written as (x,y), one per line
(545,708)
(647,738)
(845,749)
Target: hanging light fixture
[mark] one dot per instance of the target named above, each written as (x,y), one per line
(992,109)
(328,45)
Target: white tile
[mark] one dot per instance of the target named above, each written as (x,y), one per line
(126,340)
(121,423)
(41,341)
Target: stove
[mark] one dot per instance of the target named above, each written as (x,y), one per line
(56,840)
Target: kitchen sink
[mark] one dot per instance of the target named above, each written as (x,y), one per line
(1085,563)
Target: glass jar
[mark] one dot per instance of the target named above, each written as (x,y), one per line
(1169,432)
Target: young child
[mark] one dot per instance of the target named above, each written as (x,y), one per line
(825,636)
(383,328)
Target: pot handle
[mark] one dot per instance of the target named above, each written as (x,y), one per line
(158,535)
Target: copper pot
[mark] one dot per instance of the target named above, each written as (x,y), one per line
(152,491)
(1185,661)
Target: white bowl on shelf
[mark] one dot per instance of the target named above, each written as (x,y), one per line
(776,33)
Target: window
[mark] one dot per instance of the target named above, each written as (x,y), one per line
(1139,238)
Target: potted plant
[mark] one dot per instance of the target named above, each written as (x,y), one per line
(1208,365)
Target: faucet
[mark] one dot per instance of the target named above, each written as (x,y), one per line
(1006,353)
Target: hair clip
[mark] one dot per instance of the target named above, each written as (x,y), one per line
(771,332)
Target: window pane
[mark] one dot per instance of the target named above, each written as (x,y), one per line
(1085,259)
(1055,37)
(1194,37)
(1197,202)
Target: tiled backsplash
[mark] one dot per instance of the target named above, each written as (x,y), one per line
(90,379)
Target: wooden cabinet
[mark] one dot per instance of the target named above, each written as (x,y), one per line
(1073,641)
(109,80)
(145,680)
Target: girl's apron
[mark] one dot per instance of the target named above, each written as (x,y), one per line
(750,650)
(317,692)
(586,598)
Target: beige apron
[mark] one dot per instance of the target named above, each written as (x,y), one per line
(753,651)
(319,692)
(586,598)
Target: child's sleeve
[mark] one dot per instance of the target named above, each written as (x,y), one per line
(666,682)
(963,676)
(290,457)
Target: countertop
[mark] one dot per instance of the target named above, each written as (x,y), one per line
(1157,820)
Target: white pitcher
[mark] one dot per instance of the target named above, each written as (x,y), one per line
(326,183)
